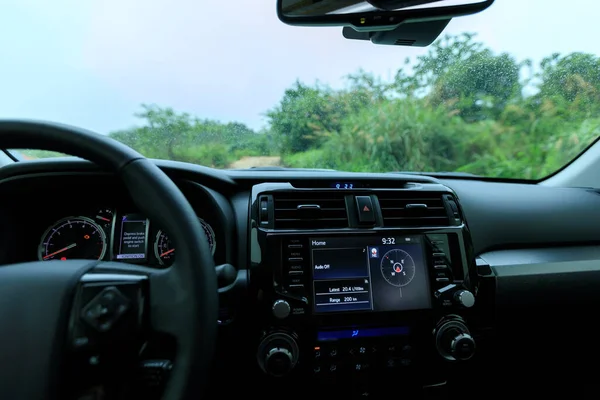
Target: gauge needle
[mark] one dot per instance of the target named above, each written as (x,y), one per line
(167,252)
(61,250)
(102,218)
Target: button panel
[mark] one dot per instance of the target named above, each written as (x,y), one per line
(440,260)
(352,357)
(294,265)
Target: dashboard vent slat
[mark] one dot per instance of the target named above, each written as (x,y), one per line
(410,209)
(310,211)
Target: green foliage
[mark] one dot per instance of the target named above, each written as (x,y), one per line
(460,107)
(36,154)
(397,135)
(301,116)
(571,76)
(480,87)
(178,136)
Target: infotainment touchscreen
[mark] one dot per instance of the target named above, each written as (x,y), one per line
(359,273)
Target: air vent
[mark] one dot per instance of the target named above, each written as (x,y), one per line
(413,209)
(314,210)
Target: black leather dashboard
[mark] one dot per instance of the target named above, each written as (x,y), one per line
(508,215)
(500,215)
(538,246)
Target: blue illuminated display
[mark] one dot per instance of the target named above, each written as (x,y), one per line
(343,185)
(362,333)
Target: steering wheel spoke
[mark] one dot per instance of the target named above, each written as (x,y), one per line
(163,301)
(101,311)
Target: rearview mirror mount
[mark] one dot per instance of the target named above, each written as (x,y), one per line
(415,34)
(374,15)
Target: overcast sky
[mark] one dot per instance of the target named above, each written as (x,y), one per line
(91,63)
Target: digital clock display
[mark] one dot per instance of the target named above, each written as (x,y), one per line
(344,185)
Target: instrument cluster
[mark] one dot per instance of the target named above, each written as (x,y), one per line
(112,235)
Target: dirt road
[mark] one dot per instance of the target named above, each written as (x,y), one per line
(249,162)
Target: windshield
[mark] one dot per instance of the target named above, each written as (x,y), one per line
(513,92)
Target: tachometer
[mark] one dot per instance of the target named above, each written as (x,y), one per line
(73,238)
(165,251)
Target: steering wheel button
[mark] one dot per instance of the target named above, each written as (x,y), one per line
(108,295)
(104,310)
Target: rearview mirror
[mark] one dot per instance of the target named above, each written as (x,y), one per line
(373,15)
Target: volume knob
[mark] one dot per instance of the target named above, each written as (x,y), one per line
(281,309)
(464,298)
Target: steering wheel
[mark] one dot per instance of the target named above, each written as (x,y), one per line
(39,300)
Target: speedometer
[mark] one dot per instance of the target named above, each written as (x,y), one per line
(165,251)
(73,238)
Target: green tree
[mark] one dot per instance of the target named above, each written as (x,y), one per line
(180,137)
(479,87)
(444,54)
(460,107)
(301,115)
(571,82)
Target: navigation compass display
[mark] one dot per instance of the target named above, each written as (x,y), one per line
(397,268)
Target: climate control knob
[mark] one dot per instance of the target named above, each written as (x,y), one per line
(278,353)
(279,361)
(462,347)
(454,341)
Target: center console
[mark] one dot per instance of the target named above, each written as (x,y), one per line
(353,307)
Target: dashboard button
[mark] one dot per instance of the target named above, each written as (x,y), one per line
(442,280)
(366,213)
(317,353)
(440,266)
(318,369)
(333,352)
(392,349)
(360,366)
(407,350)
(296,280)
(391,362)
(441,274)
(360,350)
(294,254)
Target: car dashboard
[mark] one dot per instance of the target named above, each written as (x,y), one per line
(96,219)
(349,284)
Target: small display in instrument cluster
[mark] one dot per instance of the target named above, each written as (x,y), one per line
(131,236)
(104,218)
